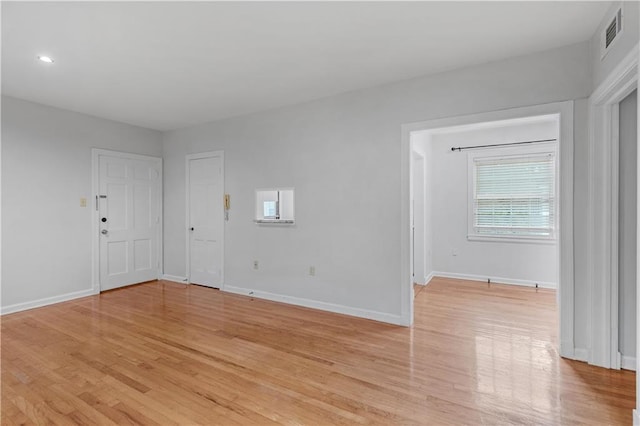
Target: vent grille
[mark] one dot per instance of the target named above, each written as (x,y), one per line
(613,29)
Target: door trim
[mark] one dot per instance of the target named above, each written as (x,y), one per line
(603,209)
(421,279)
(95,217)
(187,224)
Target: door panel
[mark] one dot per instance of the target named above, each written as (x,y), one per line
(142,255)
(206,221)
(142,206)
(116,206)
(117,257)
(129,214)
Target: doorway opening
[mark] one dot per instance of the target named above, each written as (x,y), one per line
(485,202)
(479,225)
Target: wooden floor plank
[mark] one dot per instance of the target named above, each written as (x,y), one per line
(165,353)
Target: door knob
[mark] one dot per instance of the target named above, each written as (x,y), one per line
(104,219)
(104,232)
(192,228)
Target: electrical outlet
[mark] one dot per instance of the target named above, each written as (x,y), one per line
(312,271)
(255,264)
(83,202)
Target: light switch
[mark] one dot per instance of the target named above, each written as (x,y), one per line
(83,202)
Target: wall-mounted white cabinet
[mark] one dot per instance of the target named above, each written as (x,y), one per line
(274,205)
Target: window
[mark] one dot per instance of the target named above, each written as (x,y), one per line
(270,210)
(513,197)
(274,205)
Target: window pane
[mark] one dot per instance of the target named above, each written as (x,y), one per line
(270,209)
(515,196)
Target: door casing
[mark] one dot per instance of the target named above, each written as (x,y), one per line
(603,210)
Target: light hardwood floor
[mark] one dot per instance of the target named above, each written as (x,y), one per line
(165,353)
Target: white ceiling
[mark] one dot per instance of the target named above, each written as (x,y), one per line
(170,65)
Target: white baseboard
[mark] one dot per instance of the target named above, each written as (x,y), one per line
(426,281)
(568,351)
(581,354)
(496,280)
(46,301)
(636,418)
(428,278)
(174,278)
(323,306)
(628,363)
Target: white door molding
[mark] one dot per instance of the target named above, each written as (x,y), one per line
(420,241)
(603,209)
(565,153)
(188,158)
(95,214)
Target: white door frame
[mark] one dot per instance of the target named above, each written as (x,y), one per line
(95,215)
(603,209)
(565,238)
(417,156)
(187,225)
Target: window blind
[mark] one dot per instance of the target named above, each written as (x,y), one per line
(515,196)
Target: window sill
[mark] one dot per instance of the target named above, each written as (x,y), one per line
(286,221)
(512,239)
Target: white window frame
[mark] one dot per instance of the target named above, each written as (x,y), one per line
(510,153)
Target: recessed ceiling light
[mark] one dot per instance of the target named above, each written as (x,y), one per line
(46,59)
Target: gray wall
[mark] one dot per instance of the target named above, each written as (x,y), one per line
(342,154)
(46,169)
(627,224)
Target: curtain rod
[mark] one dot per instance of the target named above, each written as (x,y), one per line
(500,144)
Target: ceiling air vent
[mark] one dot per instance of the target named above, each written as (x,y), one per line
(611,32)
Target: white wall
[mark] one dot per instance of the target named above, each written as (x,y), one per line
(46,169)
(627,225)
(453,253)
(622,45)
(344,151)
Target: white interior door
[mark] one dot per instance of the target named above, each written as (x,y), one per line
(205,192)
(129,214)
